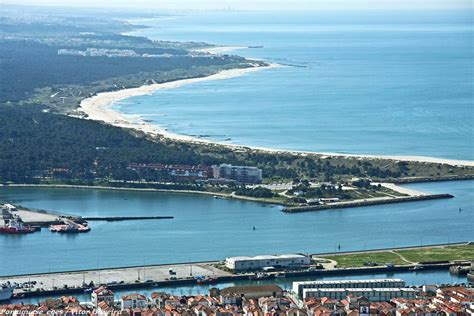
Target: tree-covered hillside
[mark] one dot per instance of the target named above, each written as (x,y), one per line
(28,65)
(38,85)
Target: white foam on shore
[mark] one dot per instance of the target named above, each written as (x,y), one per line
(99,108)
(218,49)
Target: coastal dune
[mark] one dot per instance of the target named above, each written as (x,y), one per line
(99,108)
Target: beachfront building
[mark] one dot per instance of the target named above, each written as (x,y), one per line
(241,174)
(372,294)
(178,172)
(298,287)
(244,263)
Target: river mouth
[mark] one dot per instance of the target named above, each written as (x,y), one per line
(205,228)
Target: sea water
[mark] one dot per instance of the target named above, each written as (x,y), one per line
(374,82)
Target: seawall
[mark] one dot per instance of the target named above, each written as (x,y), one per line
(311,208)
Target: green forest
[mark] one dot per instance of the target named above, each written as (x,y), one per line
(40,143)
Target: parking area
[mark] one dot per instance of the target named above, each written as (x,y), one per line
(113,276)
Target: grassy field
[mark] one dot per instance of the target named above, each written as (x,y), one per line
(464,252)
(439,254)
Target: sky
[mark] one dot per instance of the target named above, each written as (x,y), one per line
(255,4)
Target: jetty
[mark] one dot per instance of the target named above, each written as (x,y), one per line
(124,218)
(368,202)
(34,220)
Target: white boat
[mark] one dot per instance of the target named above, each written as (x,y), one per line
(6,292)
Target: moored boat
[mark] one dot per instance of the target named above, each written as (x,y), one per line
(6,292)
(260,276)
(206,280)
(16,226)
(416,268)
(69,227)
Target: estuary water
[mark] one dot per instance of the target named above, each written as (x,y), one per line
(205,228)
(411,278)
(394,84)
(398,83)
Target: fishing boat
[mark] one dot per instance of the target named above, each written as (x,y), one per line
(6,292)
(416,268)
(16,226)
(260,276)
(69,227)
(206,280)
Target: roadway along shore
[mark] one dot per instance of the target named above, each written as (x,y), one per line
(184,273)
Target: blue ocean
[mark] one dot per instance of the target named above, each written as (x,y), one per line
(390,83)
(361,82)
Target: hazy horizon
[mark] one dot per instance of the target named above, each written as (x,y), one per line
(254,5)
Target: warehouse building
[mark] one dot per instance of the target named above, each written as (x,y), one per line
(244,263)
(298,287)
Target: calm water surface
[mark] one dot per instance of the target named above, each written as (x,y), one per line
(205,228)
(418,278)
(365,82)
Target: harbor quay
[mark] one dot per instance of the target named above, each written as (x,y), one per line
(127,277)
(255,268)
(19,220)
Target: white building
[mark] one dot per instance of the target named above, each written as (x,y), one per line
(8,207)
(242,174)
(372,294)
(133,301)
(298,287)
(259,262)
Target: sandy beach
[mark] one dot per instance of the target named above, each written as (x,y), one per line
(99,108)
(218,49)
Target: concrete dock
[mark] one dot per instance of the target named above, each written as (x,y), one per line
(365,202)
(116,276)
(27,216)
(67,282)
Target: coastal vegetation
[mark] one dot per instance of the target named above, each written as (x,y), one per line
(48,68)
(38,144)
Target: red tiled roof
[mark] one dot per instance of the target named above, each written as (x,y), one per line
(134,296)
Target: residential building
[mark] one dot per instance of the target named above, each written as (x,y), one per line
(133,301)
(249,292)
(241,174)
(298,287)
(178,172)
(372,294)
(102,294)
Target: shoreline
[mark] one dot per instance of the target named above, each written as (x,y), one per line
(210,261)
(99,108)
(220,195)
(126,274)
